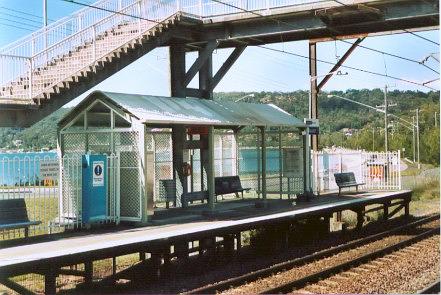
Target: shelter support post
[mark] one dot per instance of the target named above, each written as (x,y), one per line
(178,140)
(210,170)
(306,164)
(263,156)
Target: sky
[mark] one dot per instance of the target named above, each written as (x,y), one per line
(257,69)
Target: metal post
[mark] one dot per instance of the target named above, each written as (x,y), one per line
(418,137)
(262,135)
(313,106)
(436,120)
(210,170)
(30,80)
(385,120)
(280,164)
(413,138)
(45,24)
(94,43)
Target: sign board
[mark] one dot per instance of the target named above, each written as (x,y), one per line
(98,173)
(94,188)
(292,162)
(49,169)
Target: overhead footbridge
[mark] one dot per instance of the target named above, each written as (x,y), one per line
(45,70)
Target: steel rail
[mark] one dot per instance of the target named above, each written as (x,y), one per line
(239,280)
(433,288)
(318,276)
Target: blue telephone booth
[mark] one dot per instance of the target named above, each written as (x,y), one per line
(94,188)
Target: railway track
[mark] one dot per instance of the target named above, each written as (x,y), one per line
(320,275)
(433,288)
(267,272)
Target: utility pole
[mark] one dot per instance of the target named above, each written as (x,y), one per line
(373,139)
(45,13)
(418,137)
(386,147)
(436,120)
(413,137)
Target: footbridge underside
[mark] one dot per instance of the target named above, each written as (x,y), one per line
(57,74)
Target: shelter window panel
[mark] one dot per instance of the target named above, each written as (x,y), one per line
(225,158)
(249,158)
(99,143)
(74,143)
(292,162)
(273,167)
(126,147)
(161,144)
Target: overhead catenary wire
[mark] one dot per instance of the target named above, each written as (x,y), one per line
(348,67)
(390,54)
(421,37)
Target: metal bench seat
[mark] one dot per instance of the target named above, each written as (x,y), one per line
(346,179)
(14,215)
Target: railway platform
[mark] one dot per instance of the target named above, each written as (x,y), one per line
(173,233)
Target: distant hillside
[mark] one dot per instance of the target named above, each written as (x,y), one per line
(367,125)
(41,135)
(335,114)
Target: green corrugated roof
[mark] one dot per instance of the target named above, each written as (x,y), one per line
(174,110)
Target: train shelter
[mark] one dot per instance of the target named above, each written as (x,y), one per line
(168,152)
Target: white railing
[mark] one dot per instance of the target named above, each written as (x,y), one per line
(32,177)
(378,170)
(36,63)
(52,191)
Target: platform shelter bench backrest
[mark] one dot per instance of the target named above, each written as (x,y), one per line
(228,185)
(14,215)
(346,179)
(223,185)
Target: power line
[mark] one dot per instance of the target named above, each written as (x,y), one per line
(19,17)
(25,13)
(421,37)
(348,67)
(17,27)
(390,54)
(20,23)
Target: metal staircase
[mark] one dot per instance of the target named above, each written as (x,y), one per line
(77,47)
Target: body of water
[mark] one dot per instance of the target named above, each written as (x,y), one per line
(23,168)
